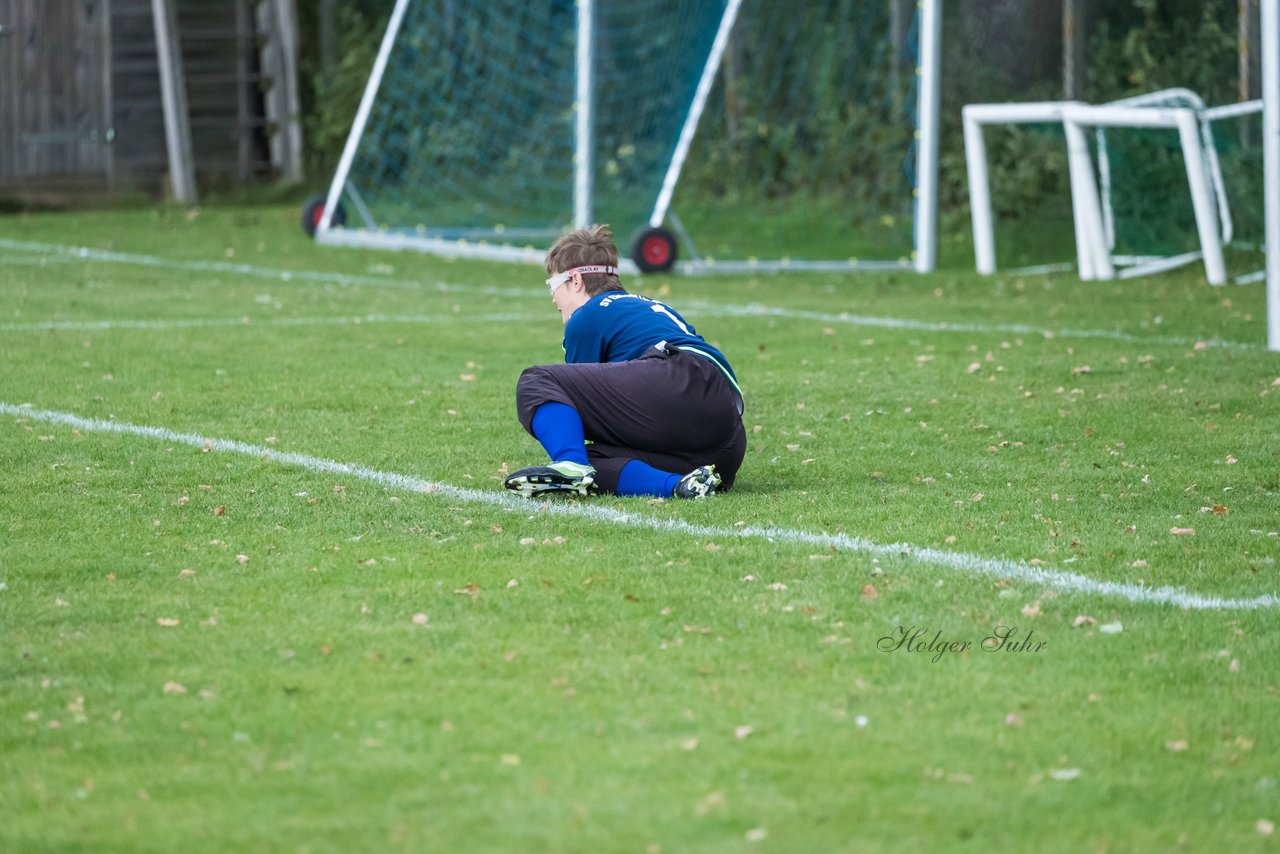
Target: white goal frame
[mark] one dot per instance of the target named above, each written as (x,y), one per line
(1093,247)
(925,194)
(1271,161)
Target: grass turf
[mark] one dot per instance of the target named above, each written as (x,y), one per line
(223,650)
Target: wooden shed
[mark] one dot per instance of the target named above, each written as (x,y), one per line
(103,96)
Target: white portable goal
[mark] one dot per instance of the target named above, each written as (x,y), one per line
(1143,183)
(1178,110)
(726,134)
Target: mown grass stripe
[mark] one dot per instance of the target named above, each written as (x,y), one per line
(691,308)
(968,564)
(250,322)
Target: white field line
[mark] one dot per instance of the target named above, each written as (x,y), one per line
(84,253)
(966,564)
(715,310)
(250,322)
(694,309)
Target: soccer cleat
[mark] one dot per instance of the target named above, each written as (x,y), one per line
(556,477)
(698,483)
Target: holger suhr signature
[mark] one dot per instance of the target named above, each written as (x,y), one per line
(920,639)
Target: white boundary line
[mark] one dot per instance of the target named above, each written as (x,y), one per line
(87,254)
(712,310)
(967,564)
(692,308)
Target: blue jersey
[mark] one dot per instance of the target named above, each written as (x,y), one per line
(616,326)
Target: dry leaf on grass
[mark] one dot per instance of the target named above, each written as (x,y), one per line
(713,800)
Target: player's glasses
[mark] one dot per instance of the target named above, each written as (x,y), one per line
(560,278)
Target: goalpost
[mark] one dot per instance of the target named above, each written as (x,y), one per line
(726,134)
(1152,181)
(1271,159)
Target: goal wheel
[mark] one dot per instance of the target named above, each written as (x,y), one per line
(313,212)
(653,250)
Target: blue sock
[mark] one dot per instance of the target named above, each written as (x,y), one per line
(640,478)
(558,427)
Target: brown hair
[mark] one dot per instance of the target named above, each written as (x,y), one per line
(591,246)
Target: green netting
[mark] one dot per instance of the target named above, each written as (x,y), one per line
(1238,142)
(472,133)
(1150,199)
(806,148)
(1030,195)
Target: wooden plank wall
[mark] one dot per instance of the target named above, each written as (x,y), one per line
(80,94)
(141,157)
(219,50)
(55,93)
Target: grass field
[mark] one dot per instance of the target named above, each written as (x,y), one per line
(261,590)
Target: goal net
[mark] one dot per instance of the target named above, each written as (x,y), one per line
(1167,192)
(747,133)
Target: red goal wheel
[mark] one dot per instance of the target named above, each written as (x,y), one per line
(313,212)
(653,250)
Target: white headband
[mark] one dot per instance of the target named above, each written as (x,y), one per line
(560,278)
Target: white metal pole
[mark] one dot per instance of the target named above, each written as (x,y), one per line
(695,113)
(926,202)
(1271,160)
(1092,254)
(1215,269)
(362,116)
(173,93)
(584,136)
(975,156)
(1080,212)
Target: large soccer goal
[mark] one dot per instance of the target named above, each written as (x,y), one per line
(722,134)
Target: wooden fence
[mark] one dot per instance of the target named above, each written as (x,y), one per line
(81,106)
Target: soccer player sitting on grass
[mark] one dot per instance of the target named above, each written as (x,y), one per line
(642,406)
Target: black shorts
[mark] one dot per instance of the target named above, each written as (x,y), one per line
(674,410)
